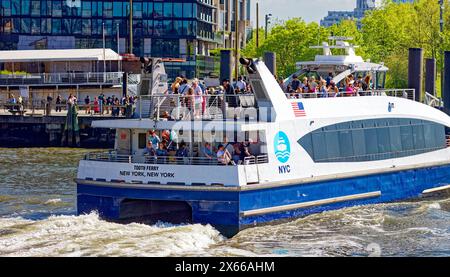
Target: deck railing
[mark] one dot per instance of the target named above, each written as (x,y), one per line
(209,107)
(114,157)
(68,78)
(400,93)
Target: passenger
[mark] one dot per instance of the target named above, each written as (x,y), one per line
(87,102)
(295,84)
(230,94)
(183,151)
(323,90)
(184,87)
(223,156)
(176,85)
(101,102)
(58,103)
(367,84)
(236,153)
(167,116)
(198,99)
(332,88)
(305,85)
(313,84)
(96,106)
(350,89)
(150,150)
(244,151)
(162,150)
(329,78)
(241,84)
(154,139)
(189,101)
(207,151)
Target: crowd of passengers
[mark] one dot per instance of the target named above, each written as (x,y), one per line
(226,153)
(195,93)
(311,87)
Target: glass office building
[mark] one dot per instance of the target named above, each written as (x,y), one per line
(184,29)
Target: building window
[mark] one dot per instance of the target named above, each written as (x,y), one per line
(107,9)
(46,25)
(57,9)
(137,10)
(25,7)
(86,9)
(15,10)
(372,140)
(187,10)
(56,26)
(168,10)
(35,8)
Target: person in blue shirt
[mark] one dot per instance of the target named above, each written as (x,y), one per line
(183,151)
(154,139)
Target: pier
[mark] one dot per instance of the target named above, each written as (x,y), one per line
(39,129)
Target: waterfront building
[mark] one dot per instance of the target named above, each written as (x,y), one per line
(362,6)
(181,29)
(36,74)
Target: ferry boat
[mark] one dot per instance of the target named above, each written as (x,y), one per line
(309,155)
(340,66)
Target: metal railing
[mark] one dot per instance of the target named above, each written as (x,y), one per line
(208,107)
(109,78)
(114,157)
(433,101)
(83,109)
(400,93)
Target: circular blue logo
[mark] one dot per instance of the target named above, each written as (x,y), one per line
(282,147)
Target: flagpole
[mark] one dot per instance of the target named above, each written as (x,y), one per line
(104,50)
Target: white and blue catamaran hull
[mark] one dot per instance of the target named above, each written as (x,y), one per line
(233,209)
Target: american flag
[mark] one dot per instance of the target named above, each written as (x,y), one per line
(298,108)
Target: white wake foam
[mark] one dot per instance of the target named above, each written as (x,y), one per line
(89,236)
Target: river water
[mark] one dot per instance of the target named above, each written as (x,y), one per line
(37,218)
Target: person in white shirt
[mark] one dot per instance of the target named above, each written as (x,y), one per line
(223,156)
(198,98)
(241,85)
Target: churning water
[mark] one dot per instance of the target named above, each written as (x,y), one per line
(37,207)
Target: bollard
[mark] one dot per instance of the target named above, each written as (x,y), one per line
(415,71)
(446,92)
(225,65)
(430,77)
(270,58)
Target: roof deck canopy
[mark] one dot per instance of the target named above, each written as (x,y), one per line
(64,55)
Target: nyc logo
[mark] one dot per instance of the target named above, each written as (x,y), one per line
(282,147)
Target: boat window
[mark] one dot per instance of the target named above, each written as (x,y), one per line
(142,140)
(371,140)
(381,79)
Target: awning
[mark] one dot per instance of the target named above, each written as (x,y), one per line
(147,124)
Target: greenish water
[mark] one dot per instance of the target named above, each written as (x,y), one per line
(37,218)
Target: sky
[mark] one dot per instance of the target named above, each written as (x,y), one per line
(309,10)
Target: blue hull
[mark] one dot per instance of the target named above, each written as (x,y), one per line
(231,210)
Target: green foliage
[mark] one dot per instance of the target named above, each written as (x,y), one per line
(7,72)
(385,35)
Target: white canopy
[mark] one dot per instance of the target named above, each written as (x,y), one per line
(148,124)
(63,55)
